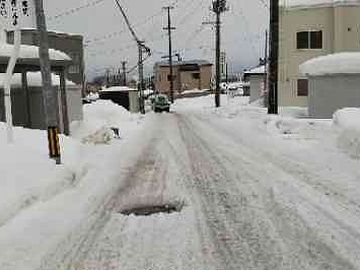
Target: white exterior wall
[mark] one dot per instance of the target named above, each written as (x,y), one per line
(330,93)
(334,22)
(256,82)
(74,102)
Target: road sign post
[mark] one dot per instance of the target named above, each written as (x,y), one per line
(14,14)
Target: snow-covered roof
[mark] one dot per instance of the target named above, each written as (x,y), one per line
(339,63)
(31,52)
(50,31)
(293,4)
(257,70)
(118,89)
(34,80)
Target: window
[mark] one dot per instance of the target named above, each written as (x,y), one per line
(196,76)
(302,87)
(309,40)
(169,78)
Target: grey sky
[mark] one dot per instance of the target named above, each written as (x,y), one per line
(243,33)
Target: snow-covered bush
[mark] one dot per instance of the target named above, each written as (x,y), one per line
(347,121)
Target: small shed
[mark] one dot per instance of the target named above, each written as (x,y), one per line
(334,83)
(256,78)
(123,96)
(30,108)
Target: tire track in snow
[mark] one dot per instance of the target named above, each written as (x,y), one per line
(246,156)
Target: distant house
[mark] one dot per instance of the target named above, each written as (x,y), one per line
(333,83)
(310,29)
(70,44)
(188,75)
(123,96)
(255,79)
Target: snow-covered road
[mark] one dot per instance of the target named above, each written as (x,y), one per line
(246,206)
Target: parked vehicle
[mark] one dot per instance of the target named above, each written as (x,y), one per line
(160,103)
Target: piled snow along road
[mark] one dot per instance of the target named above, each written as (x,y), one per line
(348,122)
(44,208)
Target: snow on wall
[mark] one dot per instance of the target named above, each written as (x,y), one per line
(348,122)
(34,80)
(338,63)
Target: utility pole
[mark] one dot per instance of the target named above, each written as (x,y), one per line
(141,76)
(266,93)
(274,56)
(219,6)
(50,98)
(123,63)
(169,28)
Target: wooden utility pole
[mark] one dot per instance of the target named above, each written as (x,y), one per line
(141,76)
(219,6)
(169,28)
(50,96)
(265,82)
(274,56)
(123,63)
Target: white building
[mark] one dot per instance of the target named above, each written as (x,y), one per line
(256,78)
(308,29)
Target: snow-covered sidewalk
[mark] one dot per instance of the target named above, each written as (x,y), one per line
(46,211)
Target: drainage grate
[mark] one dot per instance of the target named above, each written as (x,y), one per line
(149,210)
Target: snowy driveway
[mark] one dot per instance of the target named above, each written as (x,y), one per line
(245,207)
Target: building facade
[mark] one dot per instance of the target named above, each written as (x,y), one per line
(308,31)
(70,44)
(187,75)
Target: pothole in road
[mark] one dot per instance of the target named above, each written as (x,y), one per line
(148,210)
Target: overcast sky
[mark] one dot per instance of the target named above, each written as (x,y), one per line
(108,42)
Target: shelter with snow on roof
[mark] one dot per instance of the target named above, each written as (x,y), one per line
(334,83)
(27,102)
(309,29)
(255,77)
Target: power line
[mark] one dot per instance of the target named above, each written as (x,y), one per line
(75,10)
(118,33)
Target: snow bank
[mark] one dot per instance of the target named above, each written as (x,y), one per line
(99,119)
(338,63)
(27,174)
(44,208)
(348,122)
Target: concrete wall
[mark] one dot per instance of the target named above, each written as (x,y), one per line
(256,82)
(341,32)
(330,93)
